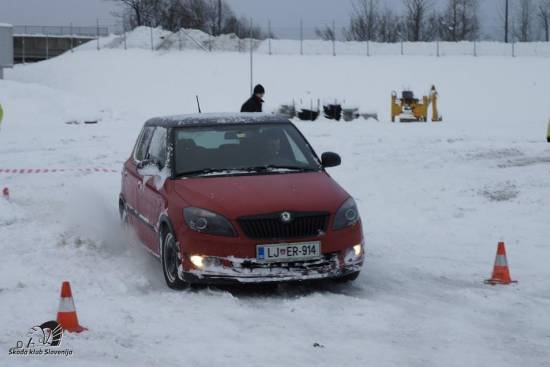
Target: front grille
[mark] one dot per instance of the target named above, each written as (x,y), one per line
(270,226)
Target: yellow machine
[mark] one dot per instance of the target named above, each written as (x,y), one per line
(411,109)
(548,132)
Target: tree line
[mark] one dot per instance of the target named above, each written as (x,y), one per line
(211,16)
(457,20)
(418,20)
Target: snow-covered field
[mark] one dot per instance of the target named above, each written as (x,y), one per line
(435,198)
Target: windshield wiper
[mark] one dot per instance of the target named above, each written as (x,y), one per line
(205,171)
(273,167)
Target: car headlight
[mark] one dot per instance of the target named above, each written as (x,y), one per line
(347,215)
(204,221)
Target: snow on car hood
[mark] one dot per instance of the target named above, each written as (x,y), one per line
(235,196)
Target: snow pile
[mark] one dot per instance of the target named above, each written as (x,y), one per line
(9,212)
(193,39)
(435,199)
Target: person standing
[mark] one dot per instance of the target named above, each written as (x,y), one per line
(254,103)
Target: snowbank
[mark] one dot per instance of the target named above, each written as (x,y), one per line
(193,39)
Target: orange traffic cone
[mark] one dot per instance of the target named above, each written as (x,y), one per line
(66,316)
(501,273)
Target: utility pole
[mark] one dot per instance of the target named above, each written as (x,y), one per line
(506,22)
(219,17)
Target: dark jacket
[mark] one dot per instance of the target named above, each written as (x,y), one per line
(254,104)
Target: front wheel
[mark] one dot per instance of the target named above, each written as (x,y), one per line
(171,261)
(347,278)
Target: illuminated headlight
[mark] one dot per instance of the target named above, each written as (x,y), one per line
(197,260)
(353,253)
(205,221)
(347,215)
(201,262)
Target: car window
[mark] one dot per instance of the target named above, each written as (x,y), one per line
(234,148)
(143,144)
(157,147)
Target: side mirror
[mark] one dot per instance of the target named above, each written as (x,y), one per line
(148,162)
(330,159)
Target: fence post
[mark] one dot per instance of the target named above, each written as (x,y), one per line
(251,60)
(301,37)
(47,44)
(72,38)
(333,38)
(97,33)
(368,48)
(475,48)
(152,42)
(401,48)
(437,48)
(179,39)
(23,48)
(269,36)
(124,36)
(513,48)
(209,42)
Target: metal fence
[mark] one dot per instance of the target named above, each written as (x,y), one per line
(68,30)
(299,40)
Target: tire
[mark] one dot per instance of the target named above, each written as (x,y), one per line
(347,278)
(124,220)
(170,258)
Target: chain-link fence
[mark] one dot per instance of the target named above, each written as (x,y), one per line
(42,42)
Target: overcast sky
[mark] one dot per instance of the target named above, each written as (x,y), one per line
(285,15)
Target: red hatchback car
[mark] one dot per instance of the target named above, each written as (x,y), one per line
(239,198)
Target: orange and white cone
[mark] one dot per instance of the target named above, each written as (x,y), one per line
(66,316)
(501,272)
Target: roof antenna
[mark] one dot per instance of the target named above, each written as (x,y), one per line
(198,103)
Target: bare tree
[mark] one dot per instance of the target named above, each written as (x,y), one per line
(326,33)
(212,16)
(459,21)
(390,27)
(416,17)
(364,21)
(544,18)
(524,17)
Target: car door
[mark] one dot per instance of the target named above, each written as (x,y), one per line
(134,181)
(151,202)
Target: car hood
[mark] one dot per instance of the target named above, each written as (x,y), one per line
(235,196)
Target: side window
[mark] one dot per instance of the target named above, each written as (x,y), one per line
(157,148)
(143,144)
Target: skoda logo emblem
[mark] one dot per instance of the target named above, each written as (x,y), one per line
(286,217)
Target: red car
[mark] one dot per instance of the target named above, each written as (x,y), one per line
(239,198)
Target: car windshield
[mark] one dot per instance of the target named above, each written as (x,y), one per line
(232,149)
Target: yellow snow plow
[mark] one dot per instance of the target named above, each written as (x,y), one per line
(411,109)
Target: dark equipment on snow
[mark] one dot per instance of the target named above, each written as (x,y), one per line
(333,111)
(308,115)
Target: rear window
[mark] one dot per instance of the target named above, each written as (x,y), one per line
(241,147)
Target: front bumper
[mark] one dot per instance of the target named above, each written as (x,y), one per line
(250,271)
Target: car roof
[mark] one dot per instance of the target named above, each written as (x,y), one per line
(212,119)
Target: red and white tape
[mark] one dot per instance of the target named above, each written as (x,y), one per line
(55,170)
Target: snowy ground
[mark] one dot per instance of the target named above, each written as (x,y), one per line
(435,198)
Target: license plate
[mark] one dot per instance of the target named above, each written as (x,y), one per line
(285,252)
